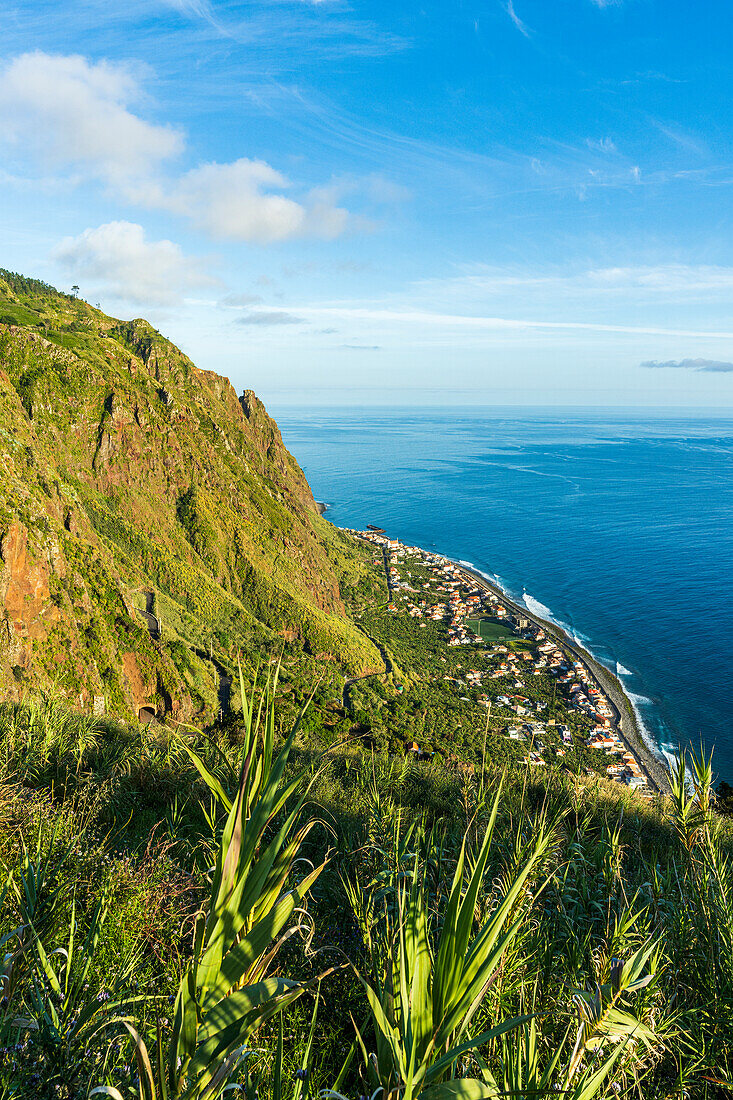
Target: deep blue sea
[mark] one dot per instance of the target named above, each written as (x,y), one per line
(618,525)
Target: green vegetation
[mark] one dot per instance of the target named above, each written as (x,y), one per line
(125,470)
(185,913)
(287,905)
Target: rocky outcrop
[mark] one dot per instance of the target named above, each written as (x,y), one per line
(26,611)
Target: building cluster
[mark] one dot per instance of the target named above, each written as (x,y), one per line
(534,733)
(462,597)
(626,769)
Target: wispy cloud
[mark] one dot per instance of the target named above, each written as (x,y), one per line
(711,366)
(269,317)
(418,317)
(681,138)
(682,282)
(601,145)
(325,28)
(239,301)
(521,27)
(199,9)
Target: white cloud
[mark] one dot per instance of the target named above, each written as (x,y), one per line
(242,201)
(72,112)
(116,259)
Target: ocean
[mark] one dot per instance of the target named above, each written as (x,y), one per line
(618,525)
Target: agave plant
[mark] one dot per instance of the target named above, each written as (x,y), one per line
(527,1073)
(424,1001)
(704,924)
(603,1013)
(225,994)
(47,1014)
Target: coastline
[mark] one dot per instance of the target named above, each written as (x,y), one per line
(627,722)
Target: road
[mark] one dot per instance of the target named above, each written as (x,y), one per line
(152,623)
(148,613)
(346,698)
(224,691)
(385,558)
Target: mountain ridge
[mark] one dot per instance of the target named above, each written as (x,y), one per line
(131,475)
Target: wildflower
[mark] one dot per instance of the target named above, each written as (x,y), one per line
(301,1074)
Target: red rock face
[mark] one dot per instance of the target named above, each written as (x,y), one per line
(24,591)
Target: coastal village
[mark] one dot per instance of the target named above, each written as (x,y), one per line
(428,587)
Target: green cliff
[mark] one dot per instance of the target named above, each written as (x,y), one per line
(129,479)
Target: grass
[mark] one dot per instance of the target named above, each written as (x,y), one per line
(186,914)
(491,630)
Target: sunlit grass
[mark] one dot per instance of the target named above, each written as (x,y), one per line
(184,914)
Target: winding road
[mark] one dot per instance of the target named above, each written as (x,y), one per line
(151,620)
(388,666)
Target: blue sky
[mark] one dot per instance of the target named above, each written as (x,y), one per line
(497,202)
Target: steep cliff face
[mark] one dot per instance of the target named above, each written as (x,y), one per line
(129,476)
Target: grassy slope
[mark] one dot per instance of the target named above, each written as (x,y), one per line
(127,469)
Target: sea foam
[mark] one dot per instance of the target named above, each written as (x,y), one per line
(536,607)
(662,752)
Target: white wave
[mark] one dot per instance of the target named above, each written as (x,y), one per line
(657,749)
(538,608)
(621,671)
(492,578)
(670,757)
(639,700)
